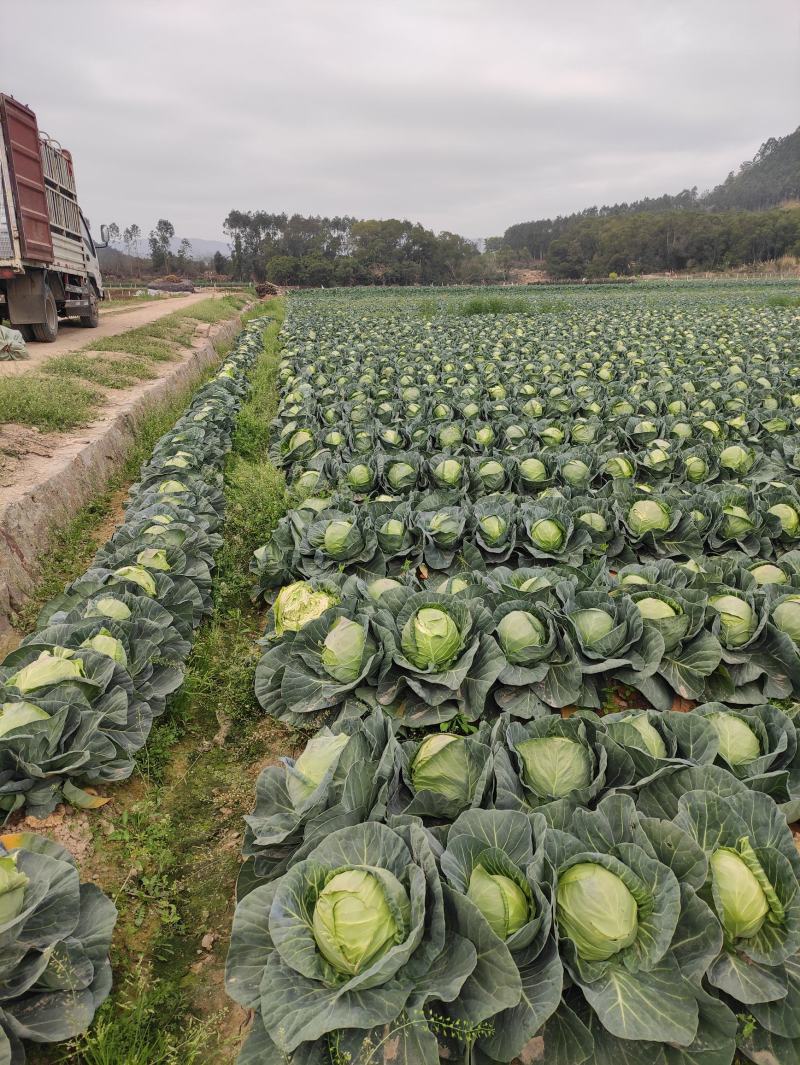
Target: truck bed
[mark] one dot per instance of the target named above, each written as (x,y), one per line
(39,184)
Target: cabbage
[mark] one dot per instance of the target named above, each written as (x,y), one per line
(355,922)
(648,515)
(740,901)
(738,744)
(335,538)
(12,890)
(493,528)
(593,624)
(47,669)
(768,573)
(106,644)
(430,639)
(596,911)
(786,617)
(308,771)
(788,517)
(547,534)
(501,901)
(376,588)
(555,765)
(297,604)
(138,575)
(440,765)
(153,558)
(651,738)
(533,471)
(108,607)
(654,609)
(737,620)
(15,715)
(517,633)
(343,650)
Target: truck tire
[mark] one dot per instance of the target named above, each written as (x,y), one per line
(47,331)
(92,319)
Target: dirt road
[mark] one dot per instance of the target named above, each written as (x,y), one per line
(71,336)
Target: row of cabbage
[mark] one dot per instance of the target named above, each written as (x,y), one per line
(581,890)
(504,518)
(78,699)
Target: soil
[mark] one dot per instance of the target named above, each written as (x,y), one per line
(71,336)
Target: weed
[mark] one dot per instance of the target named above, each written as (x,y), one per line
(116,373)
(43,402)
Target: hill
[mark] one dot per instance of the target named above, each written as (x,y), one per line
(772,177)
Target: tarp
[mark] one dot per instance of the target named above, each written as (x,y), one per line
(12,346)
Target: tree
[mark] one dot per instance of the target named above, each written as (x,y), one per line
(113,233)
(184,256)
(160,244)
(283,270)
(220,263)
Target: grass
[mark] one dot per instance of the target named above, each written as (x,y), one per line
(783,301)
(43,402)
(110,373)
(171,857)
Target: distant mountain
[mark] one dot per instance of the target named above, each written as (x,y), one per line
(771,178)
(201,248)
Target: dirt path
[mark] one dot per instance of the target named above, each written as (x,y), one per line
(71,336)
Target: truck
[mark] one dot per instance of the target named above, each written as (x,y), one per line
(48,259)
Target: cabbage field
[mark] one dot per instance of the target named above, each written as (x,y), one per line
(531,626)
(539,596)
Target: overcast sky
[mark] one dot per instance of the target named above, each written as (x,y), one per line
(463,115)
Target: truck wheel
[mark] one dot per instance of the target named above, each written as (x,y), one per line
(92,319)
(47,331)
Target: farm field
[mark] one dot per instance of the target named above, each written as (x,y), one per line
(483,607)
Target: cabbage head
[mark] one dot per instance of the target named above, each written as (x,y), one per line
(297,604)
(648,515)
(547,534)
(592,624)
(788,517)
(738,744)
(343,650)
(358,916)
(431,639)
(596,911)
(740,900)
(105,643)
(518,632)
(47,669)
(308,771)
(12,889)
(532,471)
(138,575)
(786,617)
(108,607)
(15,715)
(555,765)
(737,619)
(440,765)
(650,736)
(736,458)
(501,901)
(376,588)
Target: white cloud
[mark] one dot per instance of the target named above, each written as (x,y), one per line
(463,114)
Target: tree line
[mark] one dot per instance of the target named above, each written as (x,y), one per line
(735,223)
(316,250)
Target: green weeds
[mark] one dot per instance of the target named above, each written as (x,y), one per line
(43,402)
